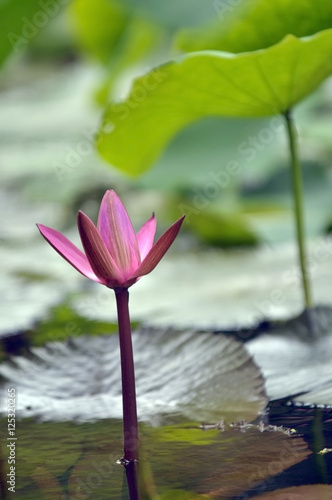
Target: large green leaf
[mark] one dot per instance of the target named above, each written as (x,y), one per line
(210,83)
(255,24)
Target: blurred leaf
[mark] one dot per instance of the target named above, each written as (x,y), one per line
(115,35)
(63,323)
(138,39)
(21,21)
(98,25)
(222,229)
(255,24)
(202,84)
(54,43)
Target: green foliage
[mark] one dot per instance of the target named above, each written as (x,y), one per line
(118,37)
(61,324)
(98,26)
(64,323)
(255,24)
(137,40)
(217,223)
(222,229)
(21,21)
(210,83)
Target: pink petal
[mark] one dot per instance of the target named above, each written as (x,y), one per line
(68,251)
(145,236)
(159,249)
(116,230)
(101,261)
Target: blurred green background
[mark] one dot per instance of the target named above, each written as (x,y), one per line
(63,61)
(234,264)
(98,49)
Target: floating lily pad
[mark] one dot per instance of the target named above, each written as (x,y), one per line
(295,364)
(210,83)
(244,25)
(203,376)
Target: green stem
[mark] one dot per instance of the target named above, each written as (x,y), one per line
(298,198)
(130,426)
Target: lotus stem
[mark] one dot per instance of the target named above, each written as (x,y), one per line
(298,208)
(130,426)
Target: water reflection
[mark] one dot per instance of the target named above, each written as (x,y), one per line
(130,489)
(315,424)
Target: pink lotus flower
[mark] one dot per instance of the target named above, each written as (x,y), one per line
(114,255)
